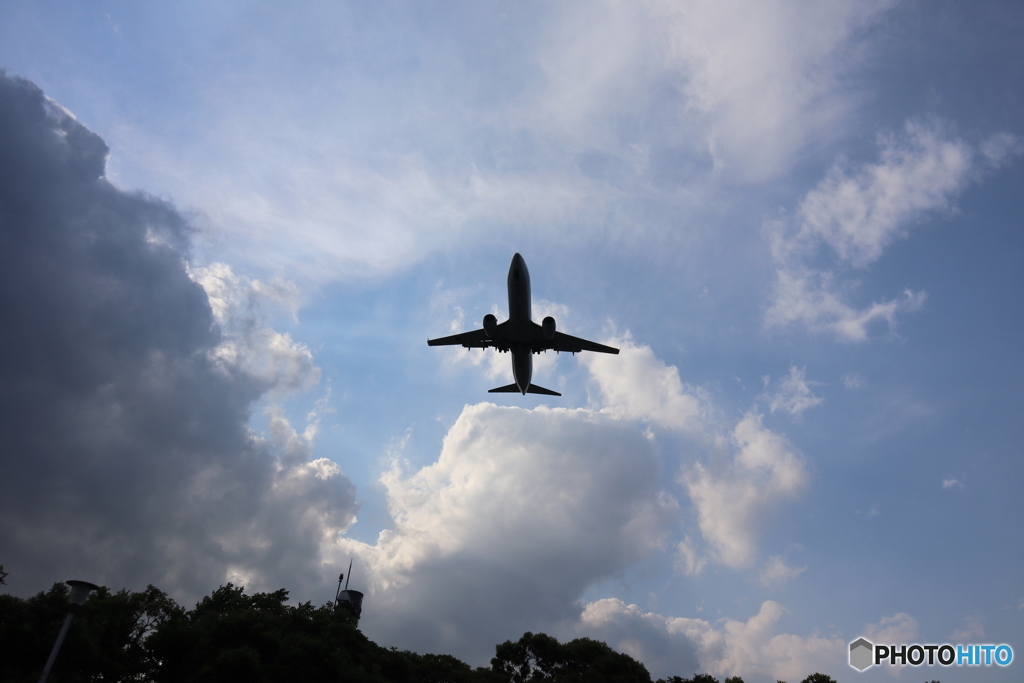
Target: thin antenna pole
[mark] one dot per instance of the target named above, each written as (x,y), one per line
(349,573)
(56,647)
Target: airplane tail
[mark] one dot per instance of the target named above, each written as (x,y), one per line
(514,389)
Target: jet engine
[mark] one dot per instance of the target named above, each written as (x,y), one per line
(548,326)
(490,325)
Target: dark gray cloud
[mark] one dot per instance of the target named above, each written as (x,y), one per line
(126,456)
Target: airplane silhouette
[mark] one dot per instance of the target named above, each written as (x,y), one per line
(520,335)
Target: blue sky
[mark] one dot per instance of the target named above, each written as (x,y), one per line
(801,222)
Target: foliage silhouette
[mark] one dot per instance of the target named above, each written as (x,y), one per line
(260,638)
(539,657)
(700,678)
(108,639)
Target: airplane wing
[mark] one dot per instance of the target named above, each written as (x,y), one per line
(567,342)
(477,339)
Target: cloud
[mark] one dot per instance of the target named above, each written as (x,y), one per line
(899,628)
(637,385)
(688,562)
(129,381)
(858,214)
(734,496)
(812,298)
(521,512)
(853,380)
(950,482)
(746,86)
(551,116)
(854,214)
(547,502)
(793,393)
(752,470)
(683,646)
(766,79)
(972,631)
(776,572)
(151,370)
(1000,148)
(247,343)
(126,388)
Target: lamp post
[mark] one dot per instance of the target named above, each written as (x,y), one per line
(79,592)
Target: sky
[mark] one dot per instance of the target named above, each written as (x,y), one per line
(229,228)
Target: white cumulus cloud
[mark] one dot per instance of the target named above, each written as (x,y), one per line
(735,496)
(635,384)
(522,510)
(248,343)
(525,509)
(752,648)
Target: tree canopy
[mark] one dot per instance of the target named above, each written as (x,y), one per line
(259,638)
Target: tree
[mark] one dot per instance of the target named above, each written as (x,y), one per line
(230,636)
(537,658)
(699,678)
(106,641)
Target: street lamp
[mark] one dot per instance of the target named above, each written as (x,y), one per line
(79,592)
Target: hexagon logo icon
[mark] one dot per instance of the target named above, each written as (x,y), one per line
(861,651)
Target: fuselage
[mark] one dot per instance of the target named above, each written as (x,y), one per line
(520,322)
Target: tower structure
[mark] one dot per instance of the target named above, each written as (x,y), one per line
(346,599)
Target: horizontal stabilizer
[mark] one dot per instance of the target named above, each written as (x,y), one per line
(514,389)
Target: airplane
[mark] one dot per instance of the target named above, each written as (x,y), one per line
(520,335)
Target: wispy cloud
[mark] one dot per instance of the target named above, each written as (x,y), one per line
(558,115)
(791,393)
(857,213)
(688,562)
(854,214)
(853,380)
(776,572)
(971,631)
(766,79)
(899,628)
